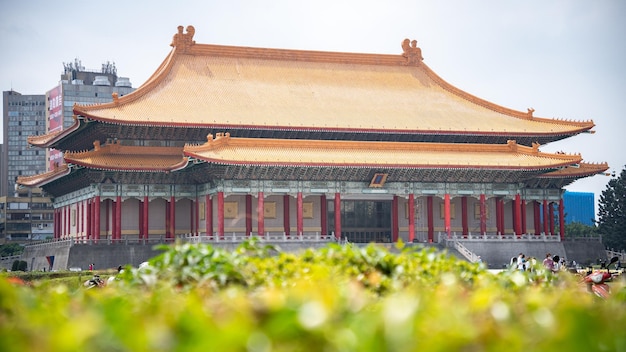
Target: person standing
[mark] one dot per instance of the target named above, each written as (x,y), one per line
(548,262)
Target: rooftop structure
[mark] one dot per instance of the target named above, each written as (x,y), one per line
(369,146)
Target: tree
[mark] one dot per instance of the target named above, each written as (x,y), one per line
(578,229)
(612,213)
(7,250)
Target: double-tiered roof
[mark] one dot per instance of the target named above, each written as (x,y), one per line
(292,114)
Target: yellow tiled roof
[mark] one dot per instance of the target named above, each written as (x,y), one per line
(578,171)
(224,149)
(36,180)
(224,86)
(129,158)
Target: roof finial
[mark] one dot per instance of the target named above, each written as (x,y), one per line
(412,53)
(183,41)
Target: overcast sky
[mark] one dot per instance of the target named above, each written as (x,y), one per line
(565,58)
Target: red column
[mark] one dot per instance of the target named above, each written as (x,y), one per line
(395,230)
(523,216)
(140,219)
(446,212)
(286,223)
(464,216)
(337,216)
(483,214)
(261,214)
(145,221)
(167,220)
(113,220)
(502,224)
(67,221)
(562,219)
(57,223)
(537,217)
(118,210)
(323,215)
(172,217)
(108,203)
(299,215)
(96,217)
(220,213)
(82,220)
(498,217)
(431,225)
(208,209)
(411,209)
(248,214)
(551,217)
(546,221)
(517,205)
(89,220)
(197,207)
(193,215)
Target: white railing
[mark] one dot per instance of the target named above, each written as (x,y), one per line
(506,237)
(469,255)
(267,237)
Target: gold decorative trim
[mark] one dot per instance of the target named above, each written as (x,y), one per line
(442,211)
(477,211)
(269,210)
(230,210)
(378,180)
(307,210)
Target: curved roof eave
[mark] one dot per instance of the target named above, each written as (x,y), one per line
(45,178)
(48,140)
(224,149)
(191,49)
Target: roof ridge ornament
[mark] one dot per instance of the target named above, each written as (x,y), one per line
(183,41)
(412,53)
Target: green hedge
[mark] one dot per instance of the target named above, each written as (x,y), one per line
(340,298)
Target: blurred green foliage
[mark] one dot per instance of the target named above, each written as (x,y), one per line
(339,298)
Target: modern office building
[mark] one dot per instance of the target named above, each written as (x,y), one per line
(36,115)
(81,86)
(23,116)
(580,207)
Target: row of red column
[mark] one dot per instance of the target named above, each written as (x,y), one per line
(91,213)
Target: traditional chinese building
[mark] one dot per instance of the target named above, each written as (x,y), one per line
(252,141)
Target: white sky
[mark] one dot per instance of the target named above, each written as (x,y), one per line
(564,58)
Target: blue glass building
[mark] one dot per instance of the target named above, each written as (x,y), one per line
(579,207)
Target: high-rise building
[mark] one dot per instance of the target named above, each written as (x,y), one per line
(24,214)
(27,214)
(83,86)
(23,116)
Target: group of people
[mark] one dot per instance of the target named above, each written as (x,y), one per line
(522,263)
(552,263)
(555,263)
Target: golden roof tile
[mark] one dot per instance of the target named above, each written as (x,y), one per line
(40,179)
(224,149)
(225,86)
(115,156)
(578,170)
